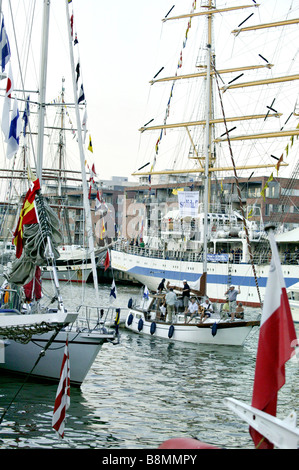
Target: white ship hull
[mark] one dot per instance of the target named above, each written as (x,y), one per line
(83,349)
(150,271)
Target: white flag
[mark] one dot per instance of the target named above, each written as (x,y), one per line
(14,131)
(7,105)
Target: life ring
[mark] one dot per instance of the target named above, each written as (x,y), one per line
(170,331)
(214,329)
(153,328)
(130,319)
(140,324)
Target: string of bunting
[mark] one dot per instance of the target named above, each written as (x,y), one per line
(79,80)
(179,65)
(82,100)
(277,166)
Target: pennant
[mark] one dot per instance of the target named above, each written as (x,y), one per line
(81,95)
(266,186)
(92,174)
(277,166)
(26,116)
(103,229)
(145,293)
(113,292)
(14,132)
(27,216)
(7,105)
(98,201)
(4,47)
(77,72)
(84,125)
(72,25)
(90,145)
(107,260)
(62,401)
(117,320)
(277,334)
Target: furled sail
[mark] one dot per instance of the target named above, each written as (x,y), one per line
(36,250)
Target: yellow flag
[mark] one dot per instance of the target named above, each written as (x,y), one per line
(287,149)
(90,144)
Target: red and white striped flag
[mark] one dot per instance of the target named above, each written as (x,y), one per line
(277,332)
(62,401)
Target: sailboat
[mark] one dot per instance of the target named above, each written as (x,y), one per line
(211,233)
(35,324)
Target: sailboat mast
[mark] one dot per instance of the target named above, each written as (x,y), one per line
(207,137)
(82,161)
(40,143)
(42,94)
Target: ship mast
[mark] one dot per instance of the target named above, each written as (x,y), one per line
(207,141)
(210,11)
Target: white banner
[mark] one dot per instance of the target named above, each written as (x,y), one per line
(188,203)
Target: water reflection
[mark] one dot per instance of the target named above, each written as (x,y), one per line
(141,392)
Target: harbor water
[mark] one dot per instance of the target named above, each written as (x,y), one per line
(142,392)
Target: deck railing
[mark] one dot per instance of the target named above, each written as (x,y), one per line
(260,257)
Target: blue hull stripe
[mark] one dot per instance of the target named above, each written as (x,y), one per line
(211,278)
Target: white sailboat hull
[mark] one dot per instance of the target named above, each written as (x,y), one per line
(149,271)
(83,349)
(69,272)
(228,333)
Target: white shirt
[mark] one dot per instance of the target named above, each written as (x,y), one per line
(193,307)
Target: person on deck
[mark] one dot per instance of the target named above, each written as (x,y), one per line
(206,308)
(240,311)
(170,303)
(232,298)
(161,286)
(186,295)
(225,308)
(192,310)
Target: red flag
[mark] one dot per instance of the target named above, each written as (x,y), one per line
(27,216)
(277,332)
(107,260)
(98,201)
(33,289)
(62,401)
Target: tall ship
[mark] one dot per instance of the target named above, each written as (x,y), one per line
(228,121)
